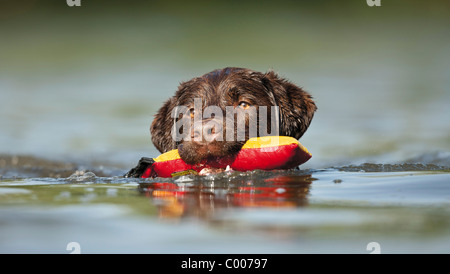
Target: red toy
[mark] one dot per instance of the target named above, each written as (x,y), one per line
(265,153)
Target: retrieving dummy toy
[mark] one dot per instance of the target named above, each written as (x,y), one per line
(265,153)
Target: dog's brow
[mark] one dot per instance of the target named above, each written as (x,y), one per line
(233,91)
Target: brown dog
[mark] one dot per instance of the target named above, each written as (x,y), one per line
(202,119)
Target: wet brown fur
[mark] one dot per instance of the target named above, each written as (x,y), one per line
(228,87)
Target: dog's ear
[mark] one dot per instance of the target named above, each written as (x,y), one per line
(161,128)
(296,105)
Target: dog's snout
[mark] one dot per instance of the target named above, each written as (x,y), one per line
(207,131)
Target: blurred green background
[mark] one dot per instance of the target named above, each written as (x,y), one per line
(85,82)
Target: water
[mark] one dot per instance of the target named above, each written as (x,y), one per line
(327,211)
(79,87)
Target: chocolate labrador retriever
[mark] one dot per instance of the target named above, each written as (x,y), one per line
(212,116)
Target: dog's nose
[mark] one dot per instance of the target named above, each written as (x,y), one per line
(207,131)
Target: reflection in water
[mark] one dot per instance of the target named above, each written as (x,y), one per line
(202,198)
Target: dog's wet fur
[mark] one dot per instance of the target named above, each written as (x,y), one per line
(239,88)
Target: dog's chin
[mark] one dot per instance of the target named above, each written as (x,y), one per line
(214,153)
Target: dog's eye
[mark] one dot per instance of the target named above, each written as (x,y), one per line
(192,112)
(244,105)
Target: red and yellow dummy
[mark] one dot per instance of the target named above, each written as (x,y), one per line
(264,153)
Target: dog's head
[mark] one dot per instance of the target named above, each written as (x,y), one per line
(213,115)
